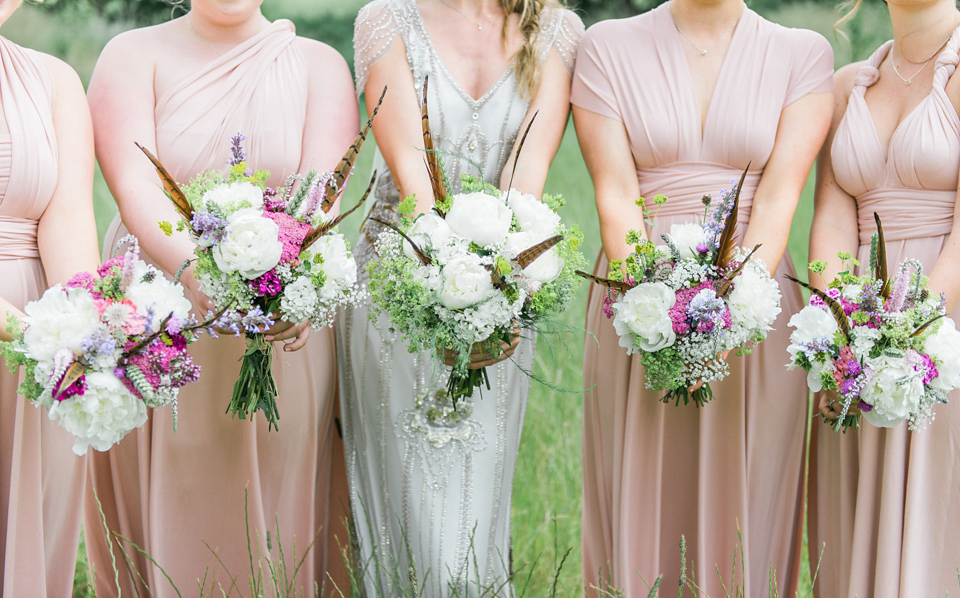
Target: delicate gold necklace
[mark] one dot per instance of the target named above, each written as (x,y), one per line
(906,80)
(703,52)
(468,17)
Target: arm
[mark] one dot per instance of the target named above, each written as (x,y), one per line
(943,276)
(606,151)
(552,106)
(800,134)
(67,233)
(397,128)
(122,101)
(835,226)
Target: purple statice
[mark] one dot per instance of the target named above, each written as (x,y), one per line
(708,311)
(267,285)
(237,155)
(272,202)
(209,227)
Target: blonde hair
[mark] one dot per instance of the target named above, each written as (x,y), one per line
(527,58)
(847,10)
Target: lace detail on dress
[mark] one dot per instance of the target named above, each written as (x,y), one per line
(564,30)
(374,32)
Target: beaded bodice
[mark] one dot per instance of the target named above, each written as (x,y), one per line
(471,133)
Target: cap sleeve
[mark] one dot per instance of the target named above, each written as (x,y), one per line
(592,88)
(565,29)
(374,31)
(812,66)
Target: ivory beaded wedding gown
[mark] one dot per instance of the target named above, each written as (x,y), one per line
(431,504)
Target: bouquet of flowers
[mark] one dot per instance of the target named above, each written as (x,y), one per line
(682,304)
(479,267)
(882,345)
(100,350)
(266,254)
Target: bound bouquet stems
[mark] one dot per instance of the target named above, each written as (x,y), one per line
(255,389)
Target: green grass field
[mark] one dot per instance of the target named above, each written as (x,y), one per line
(546,499)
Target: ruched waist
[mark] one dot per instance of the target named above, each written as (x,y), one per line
(906,213)
(685,184)
(18,238)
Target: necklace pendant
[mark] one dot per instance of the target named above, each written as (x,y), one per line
(479,26)
(703,52)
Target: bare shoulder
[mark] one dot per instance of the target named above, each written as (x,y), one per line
(65,79)
(843,79)
(323,60)
(142,44)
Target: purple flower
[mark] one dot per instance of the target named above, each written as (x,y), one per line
(237,154)
(267,285)
(209,227)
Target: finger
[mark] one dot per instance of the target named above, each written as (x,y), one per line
(299,341)
(288,331)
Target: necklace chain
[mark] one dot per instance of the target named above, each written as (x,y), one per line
(468,17)
(703,52)
(909,80)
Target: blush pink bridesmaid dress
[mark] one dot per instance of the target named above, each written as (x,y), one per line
(653,472)
(41,480)
(175,493)
(885,503)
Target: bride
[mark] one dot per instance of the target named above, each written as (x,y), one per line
(432,507)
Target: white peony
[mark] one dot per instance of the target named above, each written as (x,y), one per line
(465,282)
(811,323)
(480,217)
(755,300)
(894,391)
(160,295)
(644,311)
(60,318)
(543,269)
(944,347)
(230,197)
(429,230)
(686,237)
(338,264)
(251,247)
(102,415)
(532,214)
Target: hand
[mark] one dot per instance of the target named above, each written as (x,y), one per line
(296,334)
(831,406)
(720,357)
(480,358)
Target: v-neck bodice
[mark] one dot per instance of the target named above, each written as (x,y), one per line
(634,70)
(911,183)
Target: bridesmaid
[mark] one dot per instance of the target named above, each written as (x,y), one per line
(679,101)
(440,496)
(47,234)
(182,89)
(885,503)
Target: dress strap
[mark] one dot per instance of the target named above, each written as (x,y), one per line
(947,60)
(869,72)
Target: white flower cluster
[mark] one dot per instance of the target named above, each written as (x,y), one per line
(304,300)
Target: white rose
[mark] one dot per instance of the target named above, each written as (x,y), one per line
(546,267)
(532,214)
(944,347)
(230,197)
(429,230)
(60,318)
(686,237)
(644,311)
(102,415)
(465,282)
(894,391)
(338,263)
(160,295)
(755,300)
(251,247)
(482,218)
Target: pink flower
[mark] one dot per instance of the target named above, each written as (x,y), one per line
(292,233)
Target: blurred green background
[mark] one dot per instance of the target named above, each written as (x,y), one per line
(546,500)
